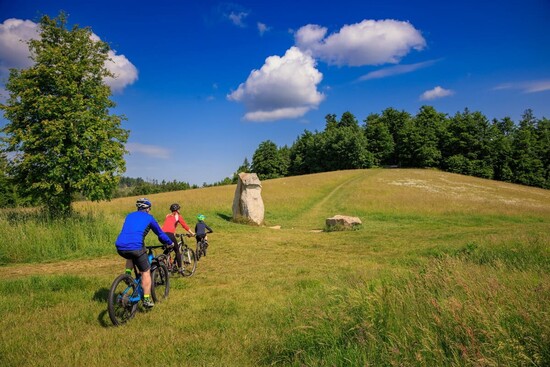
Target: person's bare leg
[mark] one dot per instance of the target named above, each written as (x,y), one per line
(146,282)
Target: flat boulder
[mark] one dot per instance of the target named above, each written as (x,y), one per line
(343,221)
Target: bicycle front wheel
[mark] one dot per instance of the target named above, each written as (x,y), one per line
(160,282)
(119,303)
(189,262)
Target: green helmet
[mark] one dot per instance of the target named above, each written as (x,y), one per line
(200,217)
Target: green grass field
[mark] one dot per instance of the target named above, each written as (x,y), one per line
(446,270)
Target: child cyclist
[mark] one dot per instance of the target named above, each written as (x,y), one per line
(130,244)
(201,230)
(169,227)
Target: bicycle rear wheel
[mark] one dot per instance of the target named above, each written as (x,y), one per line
(189,262)
(160,282)
(121,308)
(199,252)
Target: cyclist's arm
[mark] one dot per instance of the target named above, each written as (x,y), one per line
(209,229)
(163,237)
(184,225)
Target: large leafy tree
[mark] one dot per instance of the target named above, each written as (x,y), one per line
(64,137)
(7,192)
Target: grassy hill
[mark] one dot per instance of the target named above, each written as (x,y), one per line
(446,270)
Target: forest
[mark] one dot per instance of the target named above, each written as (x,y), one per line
(466,143)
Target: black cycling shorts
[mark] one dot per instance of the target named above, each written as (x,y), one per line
(139,257)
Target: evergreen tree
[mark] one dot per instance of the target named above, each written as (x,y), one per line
(543,137)
(344,146)
(395,121)
(284,157)
(379,139)
(304,154)
(501,146)
(266,161)
(467,149)
(420,138)
(526,164)
(245,167)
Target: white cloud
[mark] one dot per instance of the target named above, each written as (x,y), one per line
(285,87)
(149,150)
(435,93)
(538,86)
(14,53)
(124,71)
(396,70)
(370,42)
(262,28)
(237,18)
(527,87)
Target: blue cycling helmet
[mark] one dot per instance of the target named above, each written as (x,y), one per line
(143,203)
(200,217)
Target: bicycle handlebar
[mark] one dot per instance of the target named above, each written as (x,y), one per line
(184,234)
(156,246)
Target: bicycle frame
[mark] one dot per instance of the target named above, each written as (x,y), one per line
(128,297)
(137,295)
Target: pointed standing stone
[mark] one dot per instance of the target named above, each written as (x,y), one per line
(248,201)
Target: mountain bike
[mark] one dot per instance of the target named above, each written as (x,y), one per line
(188,258)
(202,245)
(127,292)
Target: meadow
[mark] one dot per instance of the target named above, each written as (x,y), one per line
(446,270)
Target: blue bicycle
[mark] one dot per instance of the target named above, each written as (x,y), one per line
(126,291)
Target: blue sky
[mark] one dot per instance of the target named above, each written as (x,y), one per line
(203,83)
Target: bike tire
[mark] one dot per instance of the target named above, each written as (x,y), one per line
(189,262)
(160,282)
(199,251)
(120,308)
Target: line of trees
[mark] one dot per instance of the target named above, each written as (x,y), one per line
(466,143)
(129,186)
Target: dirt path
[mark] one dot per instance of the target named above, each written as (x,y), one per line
(99,266)
(315,210)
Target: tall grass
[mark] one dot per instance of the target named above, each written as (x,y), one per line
(451,312)
(27,236)
(445,270)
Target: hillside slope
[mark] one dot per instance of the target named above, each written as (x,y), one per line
(445,270)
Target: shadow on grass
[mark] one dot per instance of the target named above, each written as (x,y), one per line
(104,320)
(225,217)
(101,295)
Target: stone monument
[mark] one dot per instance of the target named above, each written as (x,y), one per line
(248,203)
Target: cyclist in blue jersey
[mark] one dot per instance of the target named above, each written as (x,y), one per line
(130,244)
